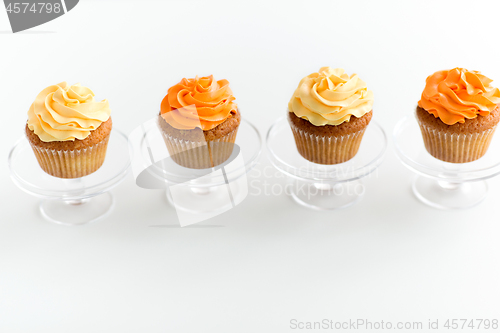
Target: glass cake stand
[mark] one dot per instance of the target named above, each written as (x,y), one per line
(325,187)
(196,194)
(71,201)
(441,184)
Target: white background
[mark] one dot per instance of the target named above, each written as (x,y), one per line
(268,261)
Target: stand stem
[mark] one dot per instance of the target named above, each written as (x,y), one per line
(75,202)
(75,184)
(450,173)
(451,186)
(202,190)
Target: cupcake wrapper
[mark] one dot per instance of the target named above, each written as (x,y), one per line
(324,149)
(456,148)
(71,163)
(200,154)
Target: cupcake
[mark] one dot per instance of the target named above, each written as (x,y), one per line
(458,114)
(328,113)
(199,122)
(68,130)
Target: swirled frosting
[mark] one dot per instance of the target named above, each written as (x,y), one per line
(331,97)
(65,113)
(199,102)
(456,94)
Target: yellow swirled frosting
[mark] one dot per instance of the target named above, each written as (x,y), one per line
(331,97)
(65,113)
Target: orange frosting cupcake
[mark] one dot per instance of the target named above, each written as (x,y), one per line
(199,121)
(458,114)
(200,102)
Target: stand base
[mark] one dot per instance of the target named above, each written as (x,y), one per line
(207,200)
(326,197)
(201,200)
(77,212)
(444,195)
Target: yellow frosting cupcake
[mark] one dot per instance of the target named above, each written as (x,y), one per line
(328,113)
(69,130)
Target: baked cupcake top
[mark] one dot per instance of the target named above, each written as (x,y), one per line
(200,102)
(64,113)
(331,97)
(458,94)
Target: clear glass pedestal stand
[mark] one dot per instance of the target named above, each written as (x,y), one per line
(72,201)
(196,194)
(441,184)
(325,187)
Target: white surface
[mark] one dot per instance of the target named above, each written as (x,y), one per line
(268,261)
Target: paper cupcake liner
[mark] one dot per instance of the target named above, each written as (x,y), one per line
(200,154)
(71,163)
(327,149)
(456,148)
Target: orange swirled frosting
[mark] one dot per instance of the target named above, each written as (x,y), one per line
(64,113)
(456,94)
(331,97)
(200,102)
